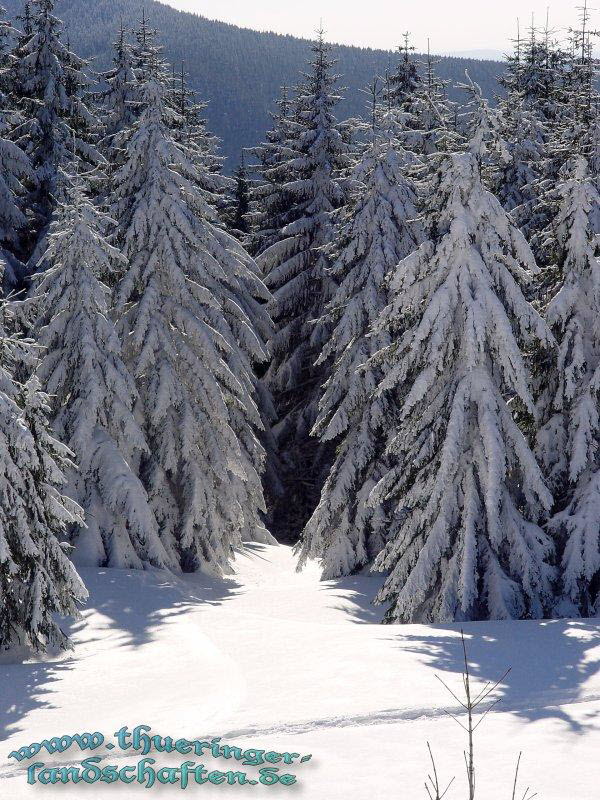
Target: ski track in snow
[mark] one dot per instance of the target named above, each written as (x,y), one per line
(386,717)
(392,716)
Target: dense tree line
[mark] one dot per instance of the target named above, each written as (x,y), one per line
(454,317)
(379,341)
(149,321)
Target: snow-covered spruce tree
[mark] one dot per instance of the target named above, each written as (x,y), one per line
(37,579)
(271,209)
(145,49)
(526,138)
(48,81)
(415,89)
(192,131)
(534,106)
(379,228)
(579,131)
(405,83)
(192,327)
(483,130)
(296,271)
(117,97)
(239,204)
(568,442)
(25,19)
(524,131)
(93,395)
(574,129)
(536,71)
(15,170)
(467,494)
(511,146)
(435,115)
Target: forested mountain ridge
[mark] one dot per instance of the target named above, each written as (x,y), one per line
(238,71)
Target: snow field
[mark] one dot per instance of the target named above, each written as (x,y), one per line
(276,660)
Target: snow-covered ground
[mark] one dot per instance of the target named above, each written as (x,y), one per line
(277,660)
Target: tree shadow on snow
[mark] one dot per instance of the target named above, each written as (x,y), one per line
(255,549)
(134,603)
(25,688)
(358,592)
(137,603)
(550,661)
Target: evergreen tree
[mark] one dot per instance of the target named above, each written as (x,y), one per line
(526,137)
(568,442)
(379,228)
(579,131)
(93,394)
(536,72)
(240,205)
(191,131)
(48,80)
(405,83)
(271,207)
(525,132)
(415,90)
(483,131)
(146,52)
(15,171)
(26,20)
(466,492)
(193,327)
(436,116)
(296,270)
(117,99)
(534,107)
(37,579)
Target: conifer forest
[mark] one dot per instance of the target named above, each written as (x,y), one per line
(377,339)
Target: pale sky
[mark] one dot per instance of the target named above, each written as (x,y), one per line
(452,25)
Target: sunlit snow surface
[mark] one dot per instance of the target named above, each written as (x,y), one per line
(277,660)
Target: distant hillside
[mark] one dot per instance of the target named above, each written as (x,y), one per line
(238,71)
